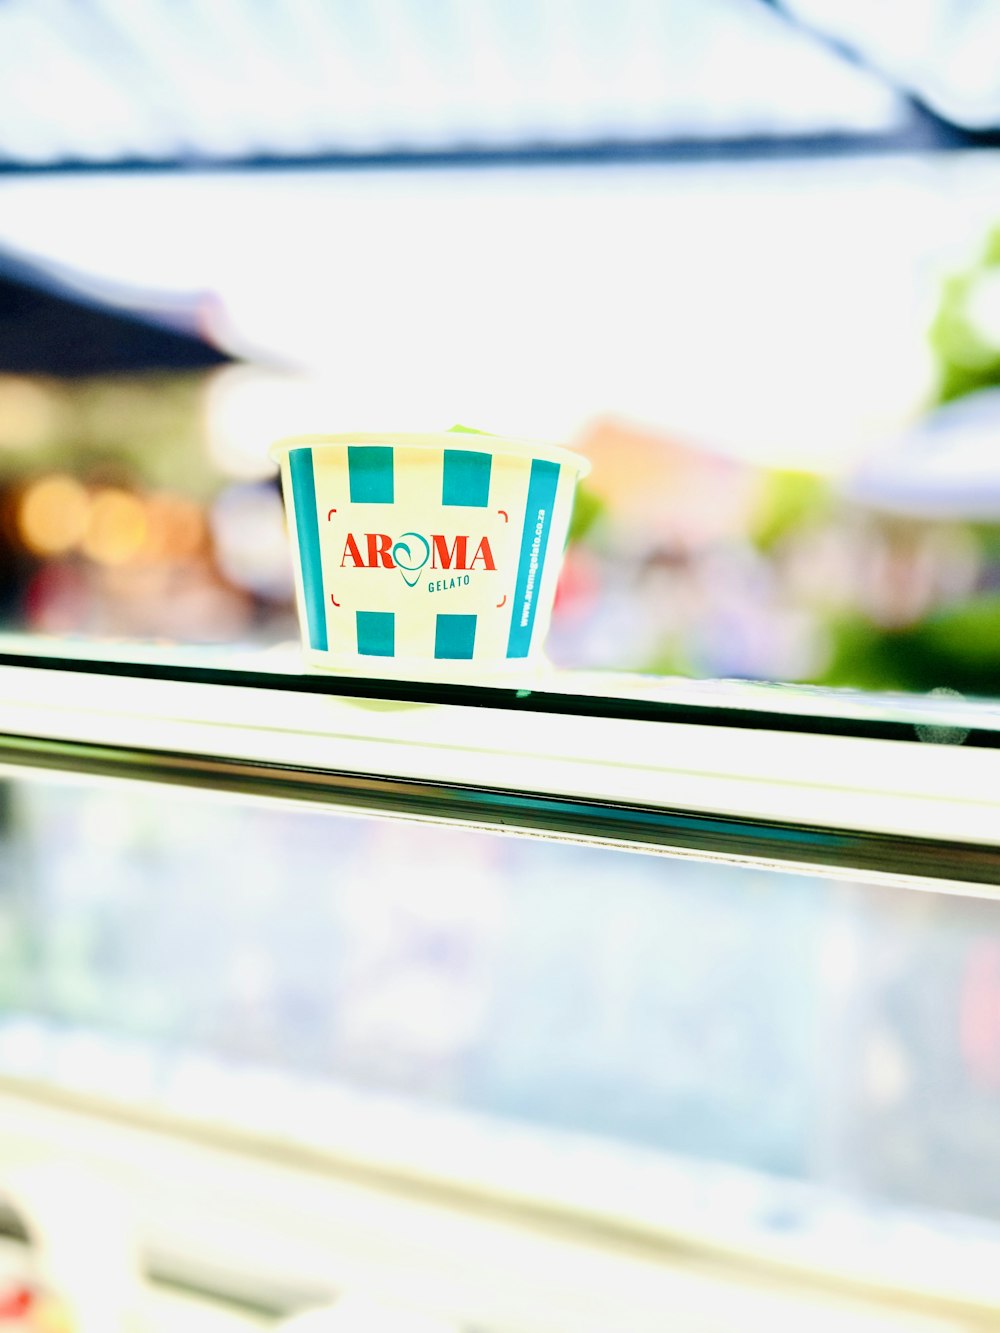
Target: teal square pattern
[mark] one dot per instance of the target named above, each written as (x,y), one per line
(466,478)
(376,633)
(455,637)
(370,474)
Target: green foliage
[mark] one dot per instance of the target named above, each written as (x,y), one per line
(670,658)
(988,540)
(792,500)
(587,509)
(968,359)
(958,647)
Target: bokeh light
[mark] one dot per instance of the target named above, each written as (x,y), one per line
(53,515)
(175,528)
(117,528)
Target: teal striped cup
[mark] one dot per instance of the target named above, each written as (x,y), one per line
(431,555)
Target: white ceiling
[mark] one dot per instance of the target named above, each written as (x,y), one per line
(236,79)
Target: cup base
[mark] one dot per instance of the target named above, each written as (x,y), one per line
(515,673)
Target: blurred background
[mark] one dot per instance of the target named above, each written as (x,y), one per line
(744,255)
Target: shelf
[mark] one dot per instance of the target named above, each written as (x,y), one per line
(845,785)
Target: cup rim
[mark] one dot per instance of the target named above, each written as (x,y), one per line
(467,441)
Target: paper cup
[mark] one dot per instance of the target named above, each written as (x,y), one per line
(428,555)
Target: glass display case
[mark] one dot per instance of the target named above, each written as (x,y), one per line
(616,1002)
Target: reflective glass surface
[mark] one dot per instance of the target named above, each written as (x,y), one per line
(693,1043)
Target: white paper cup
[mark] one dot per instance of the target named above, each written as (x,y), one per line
(426,555)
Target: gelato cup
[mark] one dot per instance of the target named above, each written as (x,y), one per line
(428,555)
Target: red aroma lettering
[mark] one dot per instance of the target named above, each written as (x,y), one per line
(456,556)
(484,553)
(379,551)
(443,558)
(376,552)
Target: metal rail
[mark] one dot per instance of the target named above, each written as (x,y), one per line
(939,865)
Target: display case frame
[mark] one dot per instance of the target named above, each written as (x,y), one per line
(895,792)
